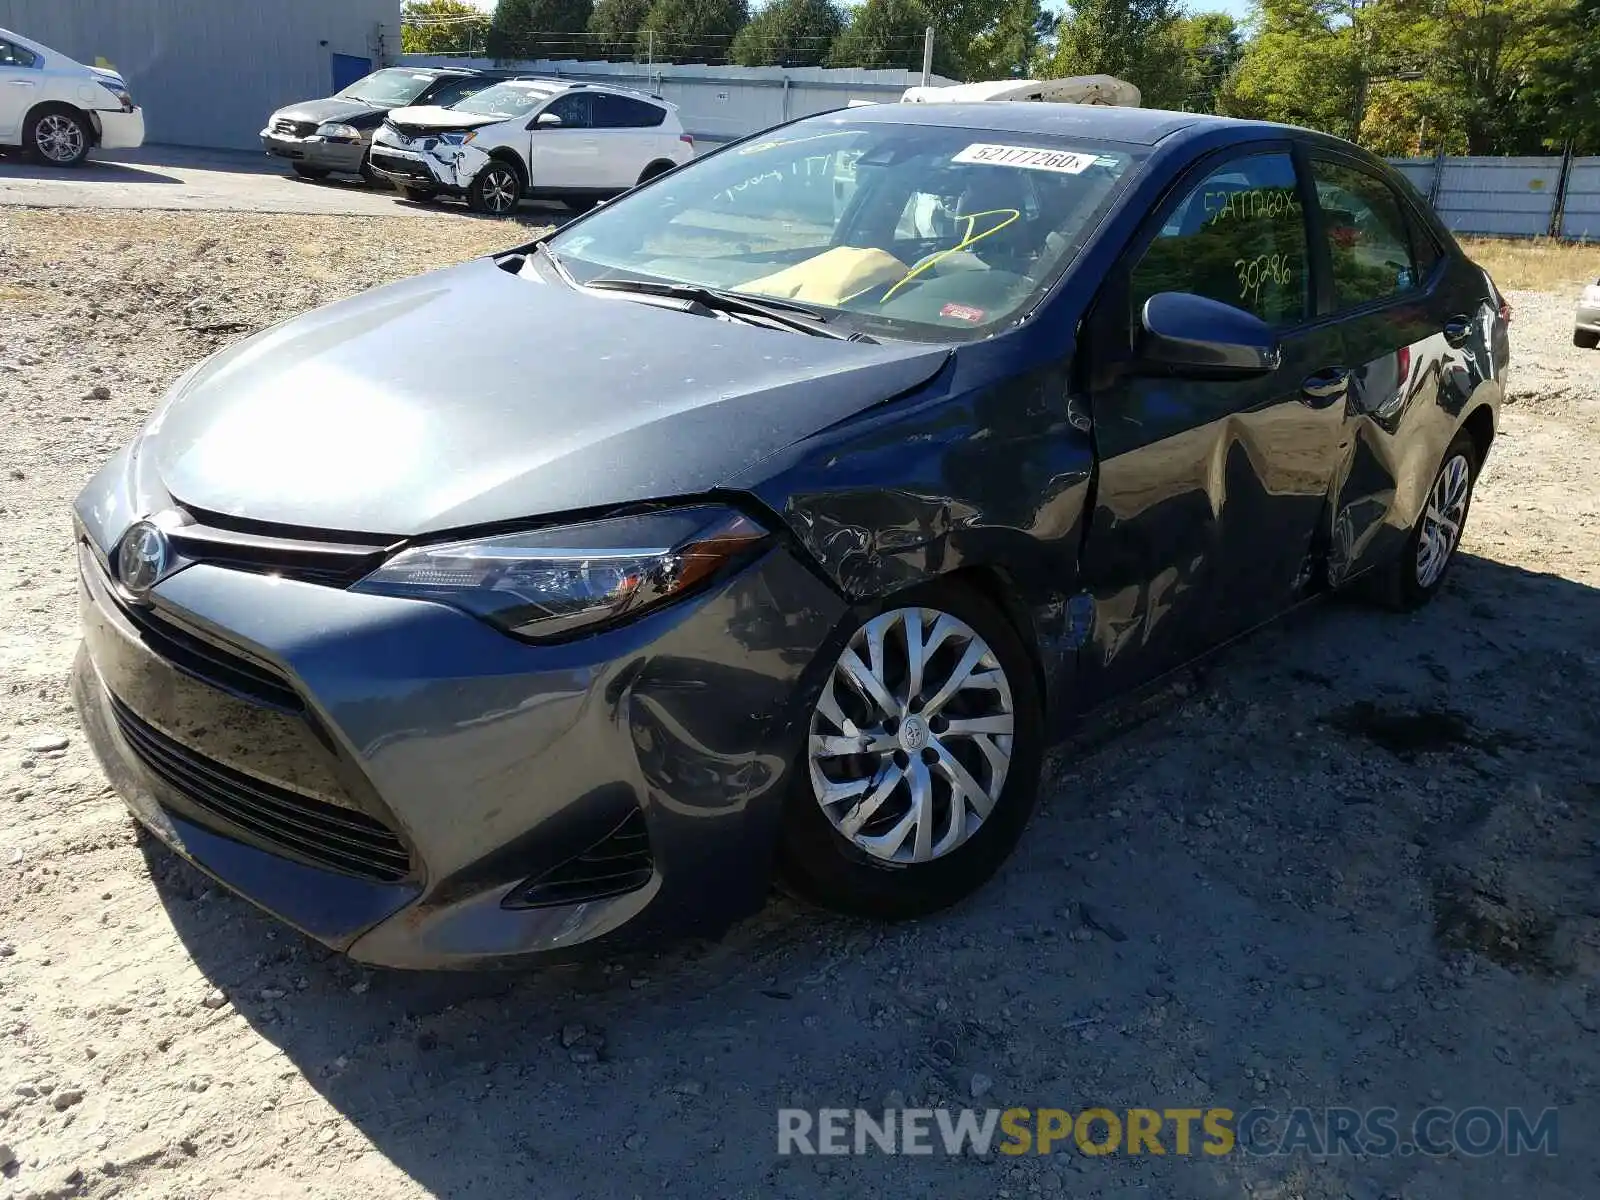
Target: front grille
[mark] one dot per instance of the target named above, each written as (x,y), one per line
(212,663)
(326,558)
(324,835)
(394,165)
(290,128)
(617,864)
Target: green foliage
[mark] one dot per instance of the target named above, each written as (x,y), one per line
(442,27)
(1211,45)
(1010,47)
(695,30)
(539,29)
(886,33)
(1136,40)
(794,33)
(615,25)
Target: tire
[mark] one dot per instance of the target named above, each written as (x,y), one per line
(654,171)
(306,172)
(1416,576)
(496,191)
(1585,339)
(416,195)
(579,204)
(58,136)
(370,177)
(827,853)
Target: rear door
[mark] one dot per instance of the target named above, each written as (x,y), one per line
(1415,336)
(567,157)
(1209,493)
(630,136)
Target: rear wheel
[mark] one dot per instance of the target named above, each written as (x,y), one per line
(1417,574)
(1585,339)
(306,172)
(58,136)
(496,191)
(921,762)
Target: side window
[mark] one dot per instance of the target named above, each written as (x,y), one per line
(1238,237)
(1369,244)
(448,91)
(574,109)
(12,55)
(624,112)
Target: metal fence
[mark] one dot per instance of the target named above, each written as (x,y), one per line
(1553,196)
(717,103)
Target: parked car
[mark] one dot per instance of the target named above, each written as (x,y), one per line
(333,135)
(1586,327)
(545,138)
(568,593)
(57,109)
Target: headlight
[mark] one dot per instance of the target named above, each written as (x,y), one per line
(335,132)
(124,97)
(459,138)
(549,583)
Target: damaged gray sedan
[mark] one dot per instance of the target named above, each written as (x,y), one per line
(568,596)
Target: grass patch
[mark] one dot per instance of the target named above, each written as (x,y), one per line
(1536,265)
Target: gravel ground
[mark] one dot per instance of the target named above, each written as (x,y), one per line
(1353,862)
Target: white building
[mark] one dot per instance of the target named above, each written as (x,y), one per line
(208,72)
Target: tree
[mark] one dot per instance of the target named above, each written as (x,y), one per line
(695,30)
(887,33)
(1566,87)
(788,33)
(615,25)
(539,29)
(1010,48)
(1303,67)
(1212,46)
(442,27)
(1136,40)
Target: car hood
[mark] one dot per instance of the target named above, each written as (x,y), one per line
(330,108)
(433,117)
(471,395)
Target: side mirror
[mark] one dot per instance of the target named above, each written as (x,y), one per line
(545,120)
(1198,338)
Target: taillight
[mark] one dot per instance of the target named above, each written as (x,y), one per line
(687,140)
(1505,310)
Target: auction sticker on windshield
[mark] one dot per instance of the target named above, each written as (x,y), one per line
(1066,162)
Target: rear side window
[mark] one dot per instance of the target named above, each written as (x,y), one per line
(13,55)
(624,112)
(448,91)
(1239,236)
(1369,240)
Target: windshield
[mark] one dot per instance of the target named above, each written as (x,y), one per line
(388,89)
(904,230)
(503,100)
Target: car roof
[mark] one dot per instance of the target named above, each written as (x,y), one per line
(1137,126)
(556,86)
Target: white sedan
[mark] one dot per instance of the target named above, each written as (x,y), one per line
(57,109)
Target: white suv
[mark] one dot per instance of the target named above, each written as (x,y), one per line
(57,109)
(547,138)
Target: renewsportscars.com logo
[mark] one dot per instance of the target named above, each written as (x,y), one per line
(1374,1132)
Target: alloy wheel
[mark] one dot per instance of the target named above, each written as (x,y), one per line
(59,138)
(911,738)
(500,190)
(1441,522)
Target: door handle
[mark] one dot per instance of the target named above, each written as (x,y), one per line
(1323,388)
(1457,330)
(21,82)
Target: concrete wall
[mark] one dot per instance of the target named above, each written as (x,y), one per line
(722,103)
(208,72)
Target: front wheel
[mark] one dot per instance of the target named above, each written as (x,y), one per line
(1416,576)
(496,191)
(59,137)
(921,761)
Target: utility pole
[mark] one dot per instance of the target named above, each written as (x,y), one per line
(927,57)
(650,53)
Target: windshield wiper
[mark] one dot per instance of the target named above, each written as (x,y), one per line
(789,316)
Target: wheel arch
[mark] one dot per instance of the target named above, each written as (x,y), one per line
(656,167)
(1479,426)
(512,159)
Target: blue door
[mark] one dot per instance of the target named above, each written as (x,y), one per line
(347,68)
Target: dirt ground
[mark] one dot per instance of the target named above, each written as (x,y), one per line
(1352,862)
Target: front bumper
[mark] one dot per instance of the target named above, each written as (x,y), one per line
(345,157)
(428,163)
(244,717)
(120,130)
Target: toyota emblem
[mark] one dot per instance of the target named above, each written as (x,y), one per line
(144,557)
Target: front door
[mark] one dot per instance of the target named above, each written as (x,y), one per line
(1209,493)
(566,157)
(19,86)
